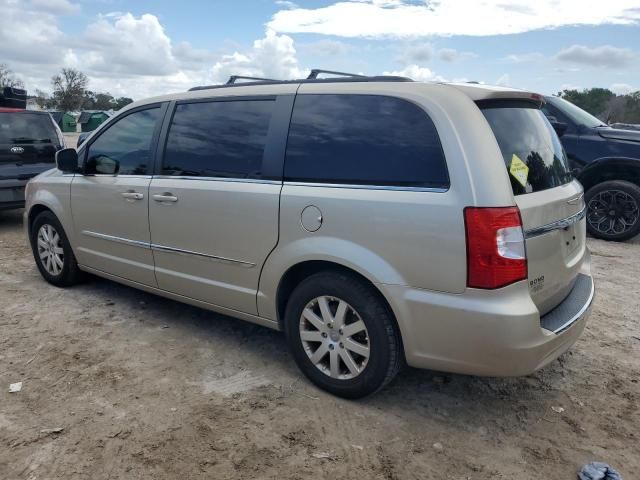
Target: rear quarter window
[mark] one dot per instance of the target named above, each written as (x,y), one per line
(525,135)
(363,140)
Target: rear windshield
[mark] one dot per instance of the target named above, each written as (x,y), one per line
(532,152)
(26,128)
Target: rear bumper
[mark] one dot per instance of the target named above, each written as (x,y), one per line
(493,333)
(12,194)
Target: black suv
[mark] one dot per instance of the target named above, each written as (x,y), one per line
(607,162)
(28,145)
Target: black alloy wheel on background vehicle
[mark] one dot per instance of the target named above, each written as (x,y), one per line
(613,210)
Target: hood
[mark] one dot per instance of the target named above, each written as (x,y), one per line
(619,134)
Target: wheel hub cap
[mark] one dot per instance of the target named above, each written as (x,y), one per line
(334,337)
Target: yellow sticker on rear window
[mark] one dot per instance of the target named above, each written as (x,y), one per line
(519,170)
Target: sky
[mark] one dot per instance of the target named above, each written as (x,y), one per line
(142,48)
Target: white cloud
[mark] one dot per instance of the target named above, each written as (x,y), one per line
(274,56)
(411,18)
(419,53)
(525,57)
(57,7)
(504,80)
(418,73)
(622,88)
(603,56)
(326,48)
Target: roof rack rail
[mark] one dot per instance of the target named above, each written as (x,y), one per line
(312,78)
(317,71)
(233,78)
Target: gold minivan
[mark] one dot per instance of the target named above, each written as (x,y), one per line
(374,220)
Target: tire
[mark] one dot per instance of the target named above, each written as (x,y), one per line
(64,275)
(613,210)
(362,306)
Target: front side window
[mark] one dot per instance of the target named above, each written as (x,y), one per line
(531,149)
(218,139)
(364,139)
(125,147)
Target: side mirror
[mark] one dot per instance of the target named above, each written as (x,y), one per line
(67,160)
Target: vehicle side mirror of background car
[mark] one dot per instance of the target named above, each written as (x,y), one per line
(558,126)
(67,160)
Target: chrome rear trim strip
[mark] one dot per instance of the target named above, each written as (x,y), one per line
(559,225)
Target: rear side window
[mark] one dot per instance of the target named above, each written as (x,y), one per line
(218,139)
(532,152)
(27,128)
(125,147)
(363,139)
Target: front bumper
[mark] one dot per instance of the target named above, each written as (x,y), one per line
(493,333)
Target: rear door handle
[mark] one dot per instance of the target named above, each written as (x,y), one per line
(132,195)
(165,197)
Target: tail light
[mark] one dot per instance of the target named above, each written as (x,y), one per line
(496,254)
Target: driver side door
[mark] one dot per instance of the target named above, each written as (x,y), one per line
(110,200)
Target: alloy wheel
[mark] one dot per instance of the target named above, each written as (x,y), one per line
(612,212)
(50,250)
(334,337)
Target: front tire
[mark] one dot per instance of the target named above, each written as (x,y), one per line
(342,334)
(613,210)
(52,251)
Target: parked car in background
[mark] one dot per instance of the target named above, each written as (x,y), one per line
(374,220)
(28,144)
(607,162)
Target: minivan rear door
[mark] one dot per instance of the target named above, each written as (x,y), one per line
(550,201)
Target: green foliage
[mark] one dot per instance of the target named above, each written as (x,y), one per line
(103,101)
(69,89)
(606,105)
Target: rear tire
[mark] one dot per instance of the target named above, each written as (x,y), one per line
(52,251)
(613,210)
(351,347)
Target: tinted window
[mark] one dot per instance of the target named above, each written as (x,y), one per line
(218,139)
(525,134)
(363,139)
(126,143)
(26,128)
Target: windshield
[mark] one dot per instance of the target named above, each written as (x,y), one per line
(576,114)
(26,128)
(530,147)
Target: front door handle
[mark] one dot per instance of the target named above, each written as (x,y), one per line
(131,195)
(165,197)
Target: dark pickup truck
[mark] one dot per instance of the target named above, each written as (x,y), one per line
(28,145)
(607,162)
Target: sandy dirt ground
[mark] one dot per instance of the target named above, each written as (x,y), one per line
(119,384)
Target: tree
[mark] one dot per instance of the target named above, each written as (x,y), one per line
(121,102)
(69,89)
(7,78)
(43,100)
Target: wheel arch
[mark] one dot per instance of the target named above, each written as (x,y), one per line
(34,211)
(610,168)
(298,272)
